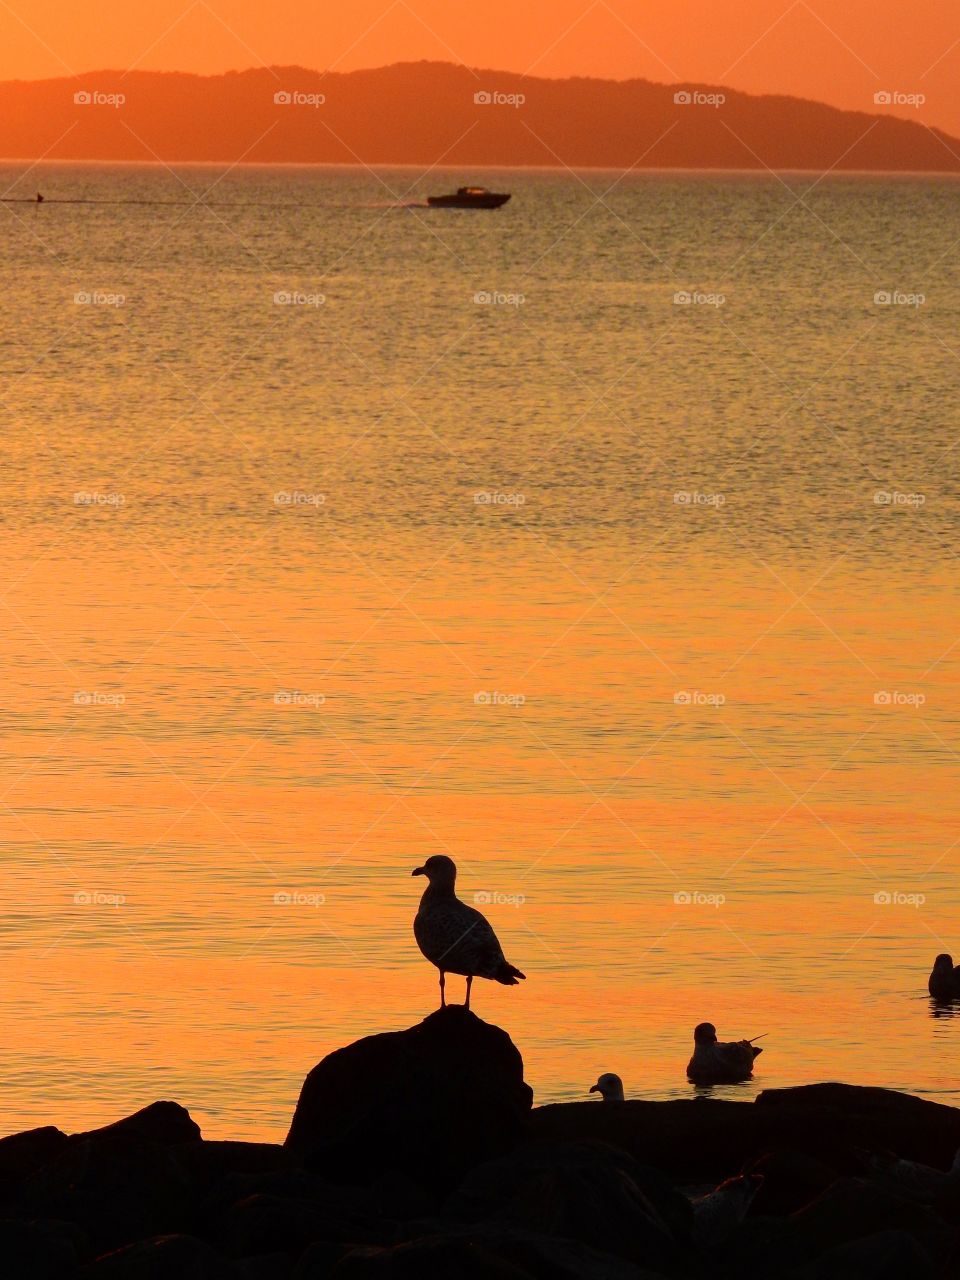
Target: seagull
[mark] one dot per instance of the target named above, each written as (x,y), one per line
(714,1063)
(455,937)
(718,1214)
(609,1087)
(913,1180)
(944,980)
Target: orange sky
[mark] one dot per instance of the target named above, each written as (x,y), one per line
(840,51)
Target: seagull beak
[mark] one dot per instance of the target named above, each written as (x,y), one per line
(418,871)
(594,1088)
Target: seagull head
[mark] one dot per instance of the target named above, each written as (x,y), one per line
(705,1033)
(609,1087)
(439,870)
(943,961)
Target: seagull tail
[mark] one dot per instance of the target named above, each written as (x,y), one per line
(509,976)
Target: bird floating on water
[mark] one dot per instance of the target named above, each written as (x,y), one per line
(715,1063)
(609,1087)
(944,980)
(455,937)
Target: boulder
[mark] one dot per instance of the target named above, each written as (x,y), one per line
(429,1102)
(482,1253)
(887,1255)
(162,1258)
(119,1188)
(164,1123)
(39,1250)
(592,1193)
(913,1128)
(274,1224)
(23,1153)
(853,1208)
(791,1179)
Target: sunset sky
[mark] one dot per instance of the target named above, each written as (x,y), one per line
(839,51)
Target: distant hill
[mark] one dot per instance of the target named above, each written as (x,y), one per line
(428,112)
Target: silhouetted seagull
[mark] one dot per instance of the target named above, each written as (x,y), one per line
(944,980)
(913,1180)
(718,1214)
(455,937)
(609,1087)
(714,1063)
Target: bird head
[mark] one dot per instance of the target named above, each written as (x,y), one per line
(705,1033)
(943,961)
(439,870)
(609,1087)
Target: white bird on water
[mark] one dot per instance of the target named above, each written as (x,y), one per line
(455,937)
(715,1063)
(609,1087)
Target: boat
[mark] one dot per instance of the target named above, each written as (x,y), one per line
(469,198)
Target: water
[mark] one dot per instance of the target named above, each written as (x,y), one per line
(233,722)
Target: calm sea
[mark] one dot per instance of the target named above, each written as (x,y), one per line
(607,543)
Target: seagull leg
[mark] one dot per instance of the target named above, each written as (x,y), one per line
(469,981)
(443,1000)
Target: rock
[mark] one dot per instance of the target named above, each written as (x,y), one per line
(163,1258)
(23,1153)
(272,1224)
(913,1128)
(39,1250)
(591,1193)
(165,1123)
(119,1188)
(429,1102)
(791,1179)
(482,1253)
(208,1164)
(266,1266)
(887,1255)
(853,1208)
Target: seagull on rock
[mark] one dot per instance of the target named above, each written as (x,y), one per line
(609,1087)
(714,1063)
(455,937)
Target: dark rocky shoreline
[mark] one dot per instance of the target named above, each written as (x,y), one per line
(417,1154)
